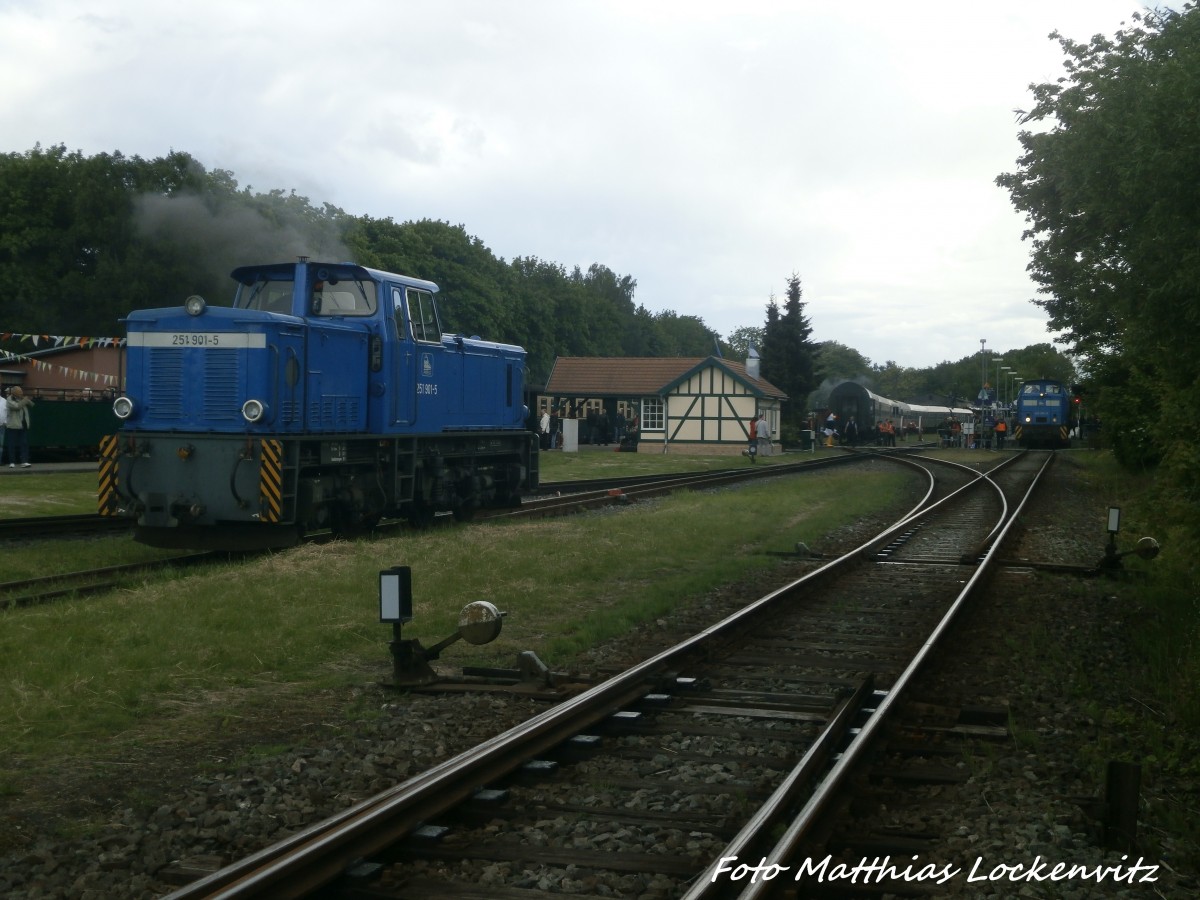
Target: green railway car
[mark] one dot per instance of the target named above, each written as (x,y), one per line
(69,428)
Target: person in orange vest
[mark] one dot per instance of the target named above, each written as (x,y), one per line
(1001,431)
(751,450)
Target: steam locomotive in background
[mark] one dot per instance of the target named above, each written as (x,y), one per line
(326,396)
(849,398)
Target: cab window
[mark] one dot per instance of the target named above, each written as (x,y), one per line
(425,325)
(343,298)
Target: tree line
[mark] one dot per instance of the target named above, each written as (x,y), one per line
(1108,183)
(86,239)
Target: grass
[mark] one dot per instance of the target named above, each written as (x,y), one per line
(559,466)
(1163,603)
(53,494)
(1159,609)
(185,654)
(26,495)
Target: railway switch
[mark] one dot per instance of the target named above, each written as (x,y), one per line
(479,622)
(1146,548)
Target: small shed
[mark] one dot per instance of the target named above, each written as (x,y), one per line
(697,404)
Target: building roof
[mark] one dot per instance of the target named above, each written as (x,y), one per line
(635,376)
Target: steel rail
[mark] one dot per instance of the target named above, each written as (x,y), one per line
(922,511)
(296,865)
(775,808)
(54,526)
(802,825)
(51,587)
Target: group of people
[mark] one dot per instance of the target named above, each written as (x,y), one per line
(982,434)
(758,435)
(850,434)
(14,428)
(598,427)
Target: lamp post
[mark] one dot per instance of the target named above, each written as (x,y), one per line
(997,361)
(982,362)
(1004,384)
(1012,388)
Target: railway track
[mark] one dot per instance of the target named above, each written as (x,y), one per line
(563,498)
(47,588)
(85,524)
(50,527)
(725,749)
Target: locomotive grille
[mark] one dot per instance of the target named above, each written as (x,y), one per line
(339,413)
(221,378)
(165,381)
(214,399)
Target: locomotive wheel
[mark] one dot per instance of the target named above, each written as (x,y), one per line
(420,515)
(464,513)
(351,525)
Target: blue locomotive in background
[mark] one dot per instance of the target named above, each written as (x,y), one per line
(1042,414)
(326,396)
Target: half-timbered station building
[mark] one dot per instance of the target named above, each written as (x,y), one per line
(696,404)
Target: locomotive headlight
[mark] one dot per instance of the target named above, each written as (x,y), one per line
(194,305)
(123,408)
(254,411)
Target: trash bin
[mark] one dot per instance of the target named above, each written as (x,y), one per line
(806,440)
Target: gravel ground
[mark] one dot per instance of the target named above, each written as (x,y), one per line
(1013,809)
(1052,649)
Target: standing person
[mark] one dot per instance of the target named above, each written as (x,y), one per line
(544,427)
(18,422)
(1001,432)
(830,429)
(3,424)
(850,434)
(763,431)
(752,440)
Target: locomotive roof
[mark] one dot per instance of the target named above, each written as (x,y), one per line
(349,268)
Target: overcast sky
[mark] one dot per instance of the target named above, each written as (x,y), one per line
(706,149)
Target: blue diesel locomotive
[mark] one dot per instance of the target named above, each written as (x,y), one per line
(326,396)
(1043,414)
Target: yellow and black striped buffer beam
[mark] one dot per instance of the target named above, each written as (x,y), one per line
(270,481)
(107,496)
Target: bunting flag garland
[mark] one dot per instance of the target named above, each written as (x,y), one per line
(64,341)
(61,340)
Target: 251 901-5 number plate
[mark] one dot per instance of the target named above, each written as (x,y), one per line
(205,340)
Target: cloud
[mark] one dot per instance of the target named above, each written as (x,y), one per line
(704,149)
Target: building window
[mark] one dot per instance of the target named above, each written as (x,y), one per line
(652,414)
